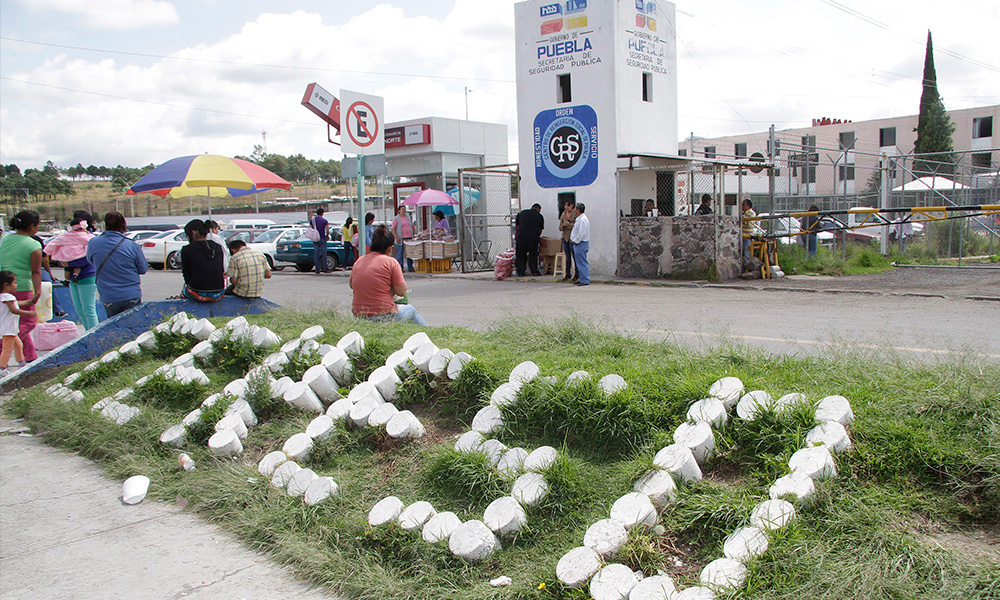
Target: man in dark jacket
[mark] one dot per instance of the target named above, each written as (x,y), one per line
(201,265)
(529,224)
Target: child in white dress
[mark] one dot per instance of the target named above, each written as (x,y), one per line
(10,310)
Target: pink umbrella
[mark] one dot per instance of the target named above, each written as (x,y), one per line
(428,198)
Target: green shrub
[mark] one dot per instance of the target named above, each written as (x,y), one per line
(169,393)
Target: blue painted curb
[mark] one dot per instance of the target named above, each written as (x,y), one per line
(125,327)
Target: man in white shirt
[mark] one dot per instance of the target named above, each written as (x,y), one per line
(580,237)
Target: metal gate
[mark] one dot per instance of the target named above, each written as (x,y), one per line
(488,201)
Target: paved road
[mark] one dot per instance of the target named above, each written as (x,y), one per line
(778,317)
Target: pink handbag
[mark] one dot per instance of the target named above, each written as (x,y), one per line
(49,336)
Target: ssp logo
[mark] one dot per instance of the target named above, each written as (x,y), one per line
(566,147)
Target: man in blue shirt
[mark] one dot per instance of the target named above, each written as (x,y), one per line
(319,248)
(119,263)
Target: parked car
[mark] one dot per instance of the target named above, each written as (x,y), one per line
(267,242)
(164,249)
(787,228)
(141,234)
(299,252)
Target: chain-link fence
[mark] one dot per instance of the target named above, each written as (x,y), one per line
(488,199)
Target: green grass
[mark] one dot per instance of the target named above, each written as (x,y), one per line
(926,459)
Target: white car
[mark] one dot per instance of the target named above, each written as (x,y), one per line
(785,229)
(164,249)
(266,243)
(141,234)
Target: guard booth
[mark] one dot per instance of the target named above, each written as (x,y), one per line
(432,153)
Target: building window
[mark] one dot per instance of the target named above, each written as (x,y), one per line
(981,162)
(709,151)
(982,127)
(647,87)
(844,172)
(776,151)
(565,93)
(886,137)
(808,143)
(847,140)
(682,152)
(808,174)
(741,150)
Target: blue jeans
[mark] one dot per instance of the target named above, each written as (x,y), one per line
(582,266)
(407,312)
(811,244)
(567,247)
(746,249)
(319,256)
(114,308)
(400,253)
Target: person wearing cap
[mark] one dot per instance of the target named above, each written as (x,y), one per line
(118,262)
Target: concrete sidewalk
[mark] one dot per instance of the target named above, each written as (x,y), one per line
(64,533)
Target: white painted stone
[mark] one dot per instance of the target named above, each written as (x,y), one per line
(320,428)
(494,451)
(724,575)
(298,483)
(265,338)
(270,462)
(438,364)
(529,489)
(176,325)
(753,403)
(657,587)
(709,410)
(511,464)
(188,327)
(577,377)
(415,515)
(319,490)
(235,322)
(404,425)
(505,516)
(487,420)
(177,317)
(162,328)
(291,347)
(440,527)
(577,566)
(745,543)
(473,541)
(259,372)
(385,381)
(111,357)
(202,329)
(124,393)
(772,514)
(192,417)
(658,485)
(280,386)
(75,396)
(401,359)
(613,582)
(219,335)
(276,362)
(363,390)
(612,383)
(469,442)
(456,364)
(362,410)
(835,408)
(130,348)
(312,333)
(283,473)
(423,354)
(147,340)
(55,387)
(540,458)
(298,446)
(352,343)
(634,510)
(324,349)
(225,443)
(815,462)
(695,593)
(504,395)
(339,410)
(524,372)
(300,395)
(385,510)
(165,370)
(796,484)
(788,401)
(382,414)
(174,436)
(606,537)
(830,434)
(184,360)
(202,350)
(59,390)
(698,437)
(321,382)
(243,409)
(308,347)
(92,366)
(234,423)
(236,388)
(123,413)
(415,341)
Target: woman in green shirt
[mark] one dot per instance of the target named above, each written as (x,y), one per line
(22,255)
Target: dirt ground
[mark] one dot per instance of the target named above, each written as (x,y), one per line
(945,282)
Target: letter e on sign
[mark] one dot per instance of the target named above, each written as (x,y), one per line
(362,122)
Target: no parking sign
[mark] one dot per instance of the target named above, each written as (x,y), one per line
(362,122)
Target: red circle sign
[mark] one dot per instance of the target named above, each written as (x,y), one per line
(357,124)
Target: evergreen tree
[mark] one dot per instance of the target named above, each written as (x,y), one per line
(934,127)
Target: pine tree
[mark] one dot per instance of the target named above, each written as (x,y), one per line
(934,126)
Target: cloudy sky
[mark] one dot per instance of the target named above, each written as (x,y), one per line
(134,82)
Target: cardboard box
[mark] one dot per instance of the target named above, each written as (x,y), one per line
(550,246)
(414,250)
(436,249)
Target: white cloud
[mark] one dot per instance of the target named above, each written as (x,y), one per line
(112,14)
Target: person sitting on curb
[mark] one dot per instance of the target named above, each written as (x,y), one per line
(248,269)
(376,278)
(201,265)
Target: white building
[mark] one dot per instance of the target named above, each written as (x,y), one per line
(596,92)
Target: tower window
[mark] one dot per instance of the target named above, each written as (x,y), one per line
(647,87)
(565,89)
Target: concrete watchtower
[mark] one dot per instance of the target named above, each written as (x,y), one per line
(596,89)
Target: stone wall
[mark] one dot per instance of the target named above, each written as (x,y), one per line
(681,247)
